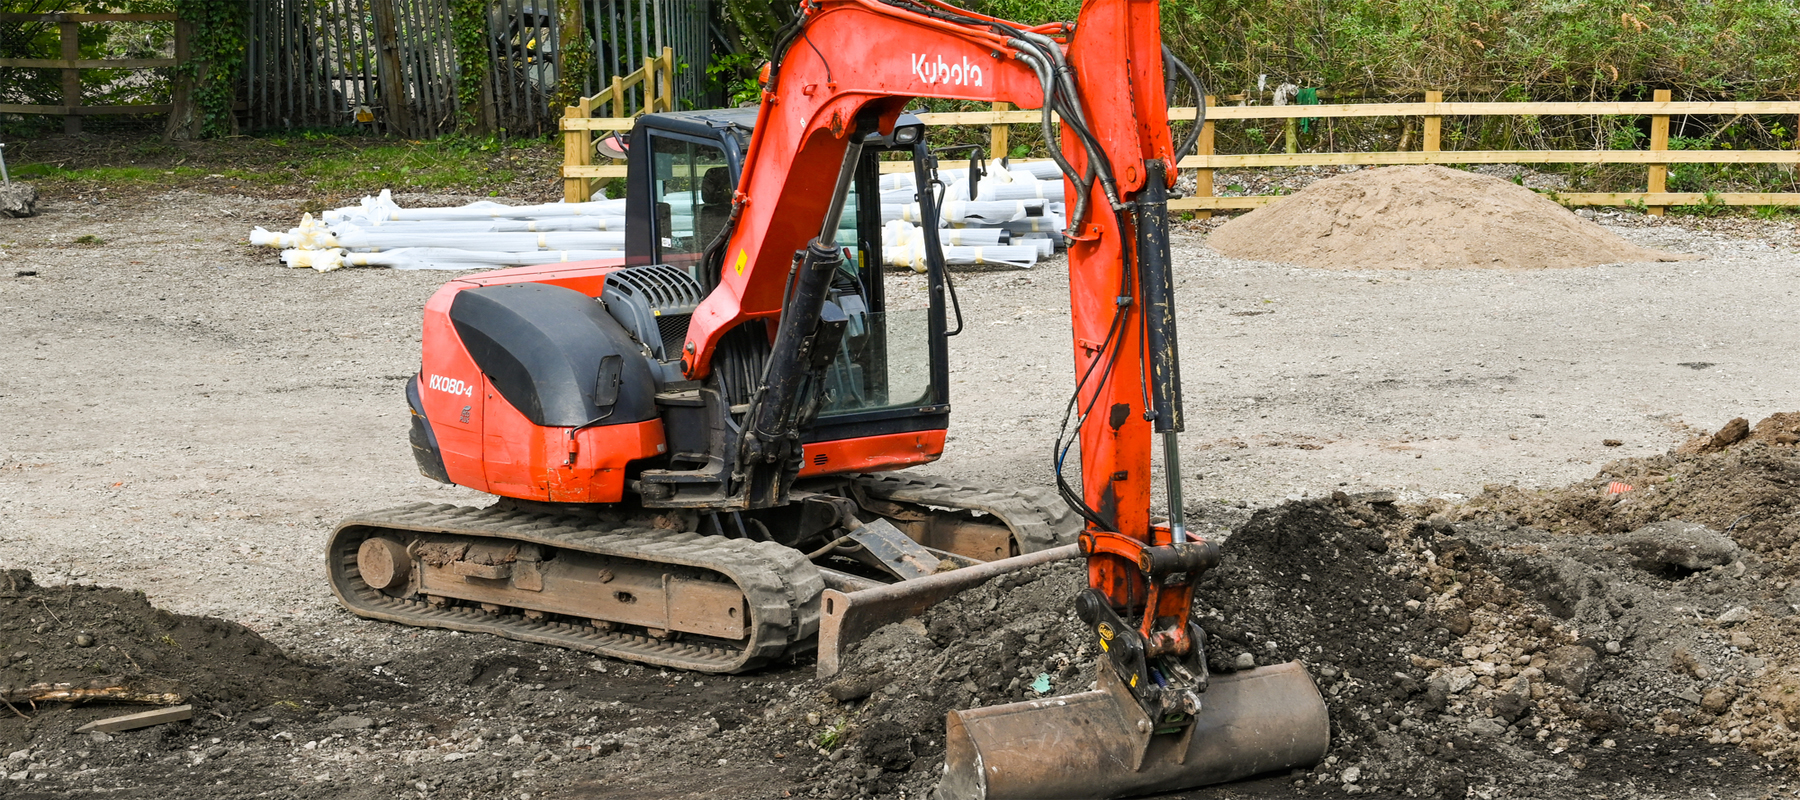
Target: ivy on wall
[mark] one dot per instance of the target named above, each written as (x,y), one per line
(216,49)
(576,63)
(468,32)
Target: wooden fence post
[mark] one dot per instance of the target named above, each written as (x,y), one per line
(578,150)
(618,96)
(647,87)
(1659,140)
(71,77)
(1000,134)
(1203,177)
(393,78)
(1434,124)
(668,90)
(184,116)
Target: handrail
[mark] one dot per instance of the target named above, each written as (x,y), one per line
(657,77)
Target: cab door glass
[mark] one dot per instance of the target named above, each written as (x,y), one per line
(884,361)
(693,188)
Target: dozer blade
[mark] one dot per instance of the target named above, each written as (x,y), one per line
(847,617)
(1099,744)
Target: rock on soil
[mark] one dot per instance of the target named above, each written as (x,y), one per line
(18,200)
(1423,217)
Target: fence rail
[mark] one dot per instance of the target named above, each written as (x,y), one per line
(71,63)
(657,79)
(1657,158)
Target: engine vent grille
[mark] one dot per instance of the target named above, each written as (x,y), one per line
(654,303)
(673,328)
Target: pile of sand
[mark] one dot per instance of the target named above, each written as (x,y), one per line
(1424,217)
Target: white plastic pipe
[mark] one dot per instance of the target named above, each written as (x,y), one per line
(382,208)
(502,242)
(437,258)
(913,255)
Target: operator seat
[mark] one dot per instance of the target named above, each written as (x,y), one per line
(715,205)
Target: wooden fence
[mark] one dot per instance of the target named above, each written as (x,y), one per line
(657,76)
(71,63)
(1432,111)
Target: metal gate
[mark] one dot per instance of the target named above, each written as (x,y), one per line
(317,63)
(625,32)
(326,63)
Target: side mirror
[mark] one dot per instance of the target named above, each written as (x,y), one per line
(611,146)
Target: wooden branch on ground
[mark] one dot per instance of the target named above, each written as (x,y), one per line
(91,693)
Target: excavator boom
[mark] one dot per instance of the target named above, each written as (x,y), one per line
(1158,720)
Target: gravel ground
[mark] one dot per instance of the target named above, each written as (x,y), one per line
(187,418)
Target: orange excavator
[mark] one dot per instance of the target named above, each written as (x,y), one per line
(698,450)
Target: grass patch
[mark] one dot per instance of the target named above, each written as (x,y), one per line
(833,735)
(306,163)
(110,175)
(452,163)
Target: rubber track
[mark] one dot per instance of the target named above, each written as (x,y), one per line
(780,586)
(1039,519)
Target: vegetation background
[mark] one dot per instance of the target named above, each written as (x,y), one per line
(1346,50)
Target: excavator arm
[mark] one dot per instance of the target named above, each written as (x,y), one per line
(844,70)
(827,89)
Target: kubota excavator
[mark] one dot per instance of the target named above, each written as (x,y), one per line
(696,449)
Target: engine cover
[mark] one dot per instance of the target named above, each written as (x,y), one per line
(530,389)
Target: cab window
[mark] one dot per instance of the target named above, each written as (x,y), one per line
(693,187)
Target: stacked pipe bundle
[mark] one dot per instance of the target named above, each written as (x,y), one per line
(1015,217)
(481,235)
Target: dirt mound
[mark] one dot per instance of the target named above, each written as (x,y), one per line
(1423,217)
(1455,650)
(1776,429)
(1738,481)
(92,636)
(987,646)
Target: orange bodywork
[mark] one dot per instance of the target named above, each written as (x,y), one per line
(872,453)
(489,446)
(810,108)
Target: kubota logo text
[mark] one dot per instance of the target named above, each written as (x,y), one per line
(929,71)
(452,386)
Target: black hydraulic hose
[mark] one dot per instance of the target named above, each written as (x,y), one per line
(1075,117)
(1083,184)
(1193,136)
(1109,352)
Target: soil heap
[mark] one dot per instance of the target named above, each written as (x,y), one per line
(1423,217)
(1590,640)
(93,637)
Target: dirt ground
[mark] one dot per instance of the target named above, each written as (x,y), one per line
(187,419)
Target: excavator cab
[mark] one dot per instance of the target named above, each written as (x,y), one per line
(890,376)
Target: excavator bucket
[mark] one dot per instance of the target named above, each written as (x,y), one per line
(1099,744)
(847,617)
